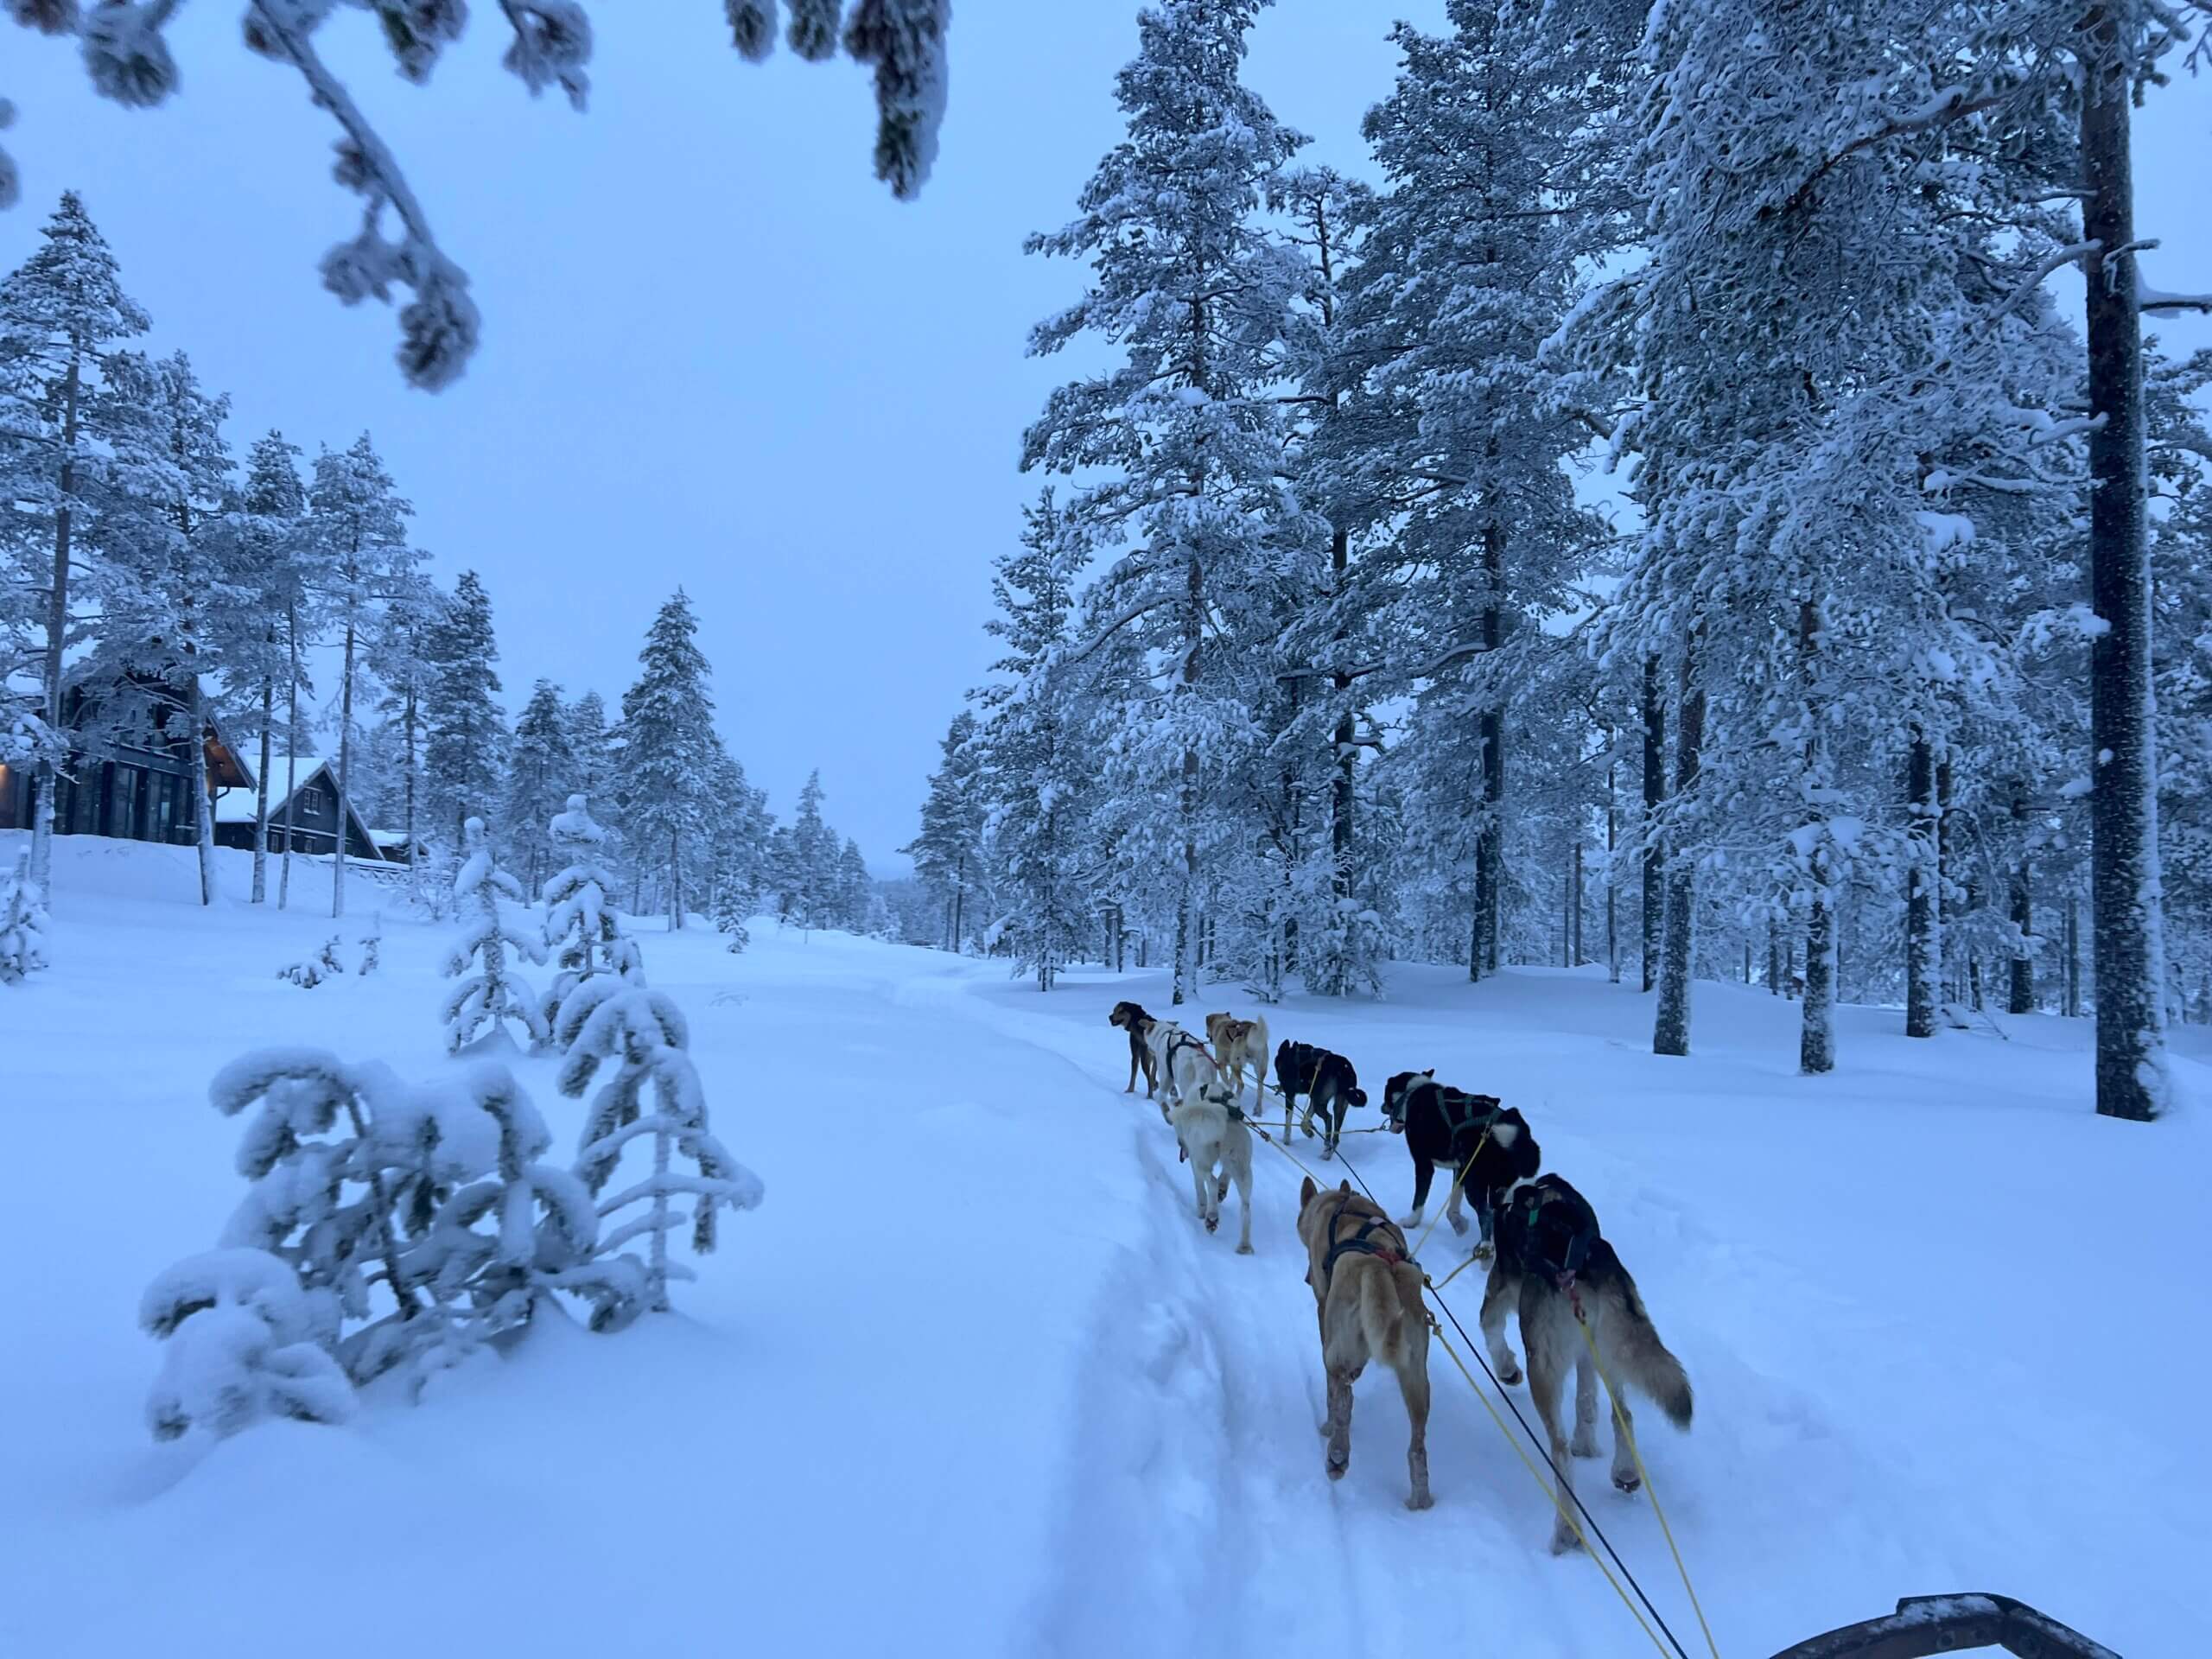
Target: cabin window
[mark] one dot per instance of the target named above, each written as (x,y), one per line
(312,803)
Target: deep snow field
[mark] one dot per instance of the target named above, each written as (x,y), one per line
(973,1380)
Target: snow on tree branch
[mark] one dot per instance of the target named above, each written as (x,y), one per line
(127,58)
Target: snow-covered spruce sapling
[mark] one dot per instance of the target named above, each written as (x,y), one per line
(310,971)
(644,1033)
(22,924)
(582,929)
(241,1346)
(372,946)
(494,992)
(413,1218)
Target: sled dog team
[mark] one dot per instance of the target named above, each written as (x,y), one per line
(1548,1261)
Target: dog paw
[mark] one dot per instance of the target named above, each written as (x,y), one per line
(1328,1151)
(1458,1225)
(1213,1223)
(1583,1445)
(1336,1469)
(1564,1542)
(1243,1249)
(1408,1223)
(1508,1375)
(1220,1188)
(1421,1501)
(1629,1482)
(1486,1253)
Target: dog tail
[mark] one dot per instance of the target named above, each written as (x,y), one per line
(1382,1317)
(1646,1361)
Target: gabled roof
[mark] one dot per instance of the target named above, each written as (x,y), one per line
(236,805)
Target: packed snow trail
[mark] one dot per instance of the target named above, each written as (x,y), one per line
(974,1375)
(1905,1359)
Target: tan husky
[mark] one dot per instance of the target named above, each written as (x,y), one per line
(1367,1291)
(1238,1044)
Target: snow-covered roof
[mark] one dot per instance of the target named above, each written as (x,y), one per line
(236,805)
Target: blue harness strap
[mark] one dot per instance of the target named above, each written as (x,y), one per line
(1361,1242)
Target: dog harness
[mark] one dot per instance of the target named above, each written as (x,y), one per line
(1563,1258)
(1361,1242)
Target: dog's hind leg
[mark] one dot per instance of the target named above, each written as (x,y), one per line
(1585,1411)
(1499,1297)
(1241,1170)
(1547,1374)
(1451,1211)
(1413,1382)
(1339,1458)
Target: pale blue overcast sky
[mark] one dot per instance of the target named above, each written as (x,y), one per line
(715,352)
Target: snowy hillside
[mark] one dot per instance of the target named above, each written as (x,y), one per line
(973,1374)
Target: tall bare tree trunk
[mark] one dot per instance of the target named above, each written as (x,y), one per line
(1816,1033)
(1671,1032)
(1613,881)
(1923,946)
(2021,993)
(345,758)
(261,797)
(57,627)
(1489,848)
(2073,957)
(1186,940)
(2126,905)
(291,754)
(1655,797)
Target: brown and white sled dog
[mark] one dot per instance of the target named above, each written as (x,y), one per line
(1367,1291)
(1238,1044)
(1218,1144)
(1555,1269)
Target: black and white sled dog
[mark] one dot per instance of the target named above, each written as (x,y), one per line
(1326,1080)
(1470,1133)
(1555,1269)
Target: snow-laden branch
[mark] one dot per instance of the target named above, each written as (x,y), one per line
(128,60)
(1953,104)
(2151,302)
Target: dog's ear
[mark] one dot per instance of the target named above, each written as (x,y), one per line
(1305,1192)
(1344,1187)
(1430,1073)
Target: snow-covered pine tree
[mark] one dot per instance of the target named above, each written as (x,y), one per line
(274,543)
(2087,66)
(414,1221)
(129,59)
(541,771)
(22,924)
(584,934)
(670,755)
(811,877)
(1035,774)
(1185,430)
(739,847)
(644,1034)
(360,523)
(176,615)
(856,888)
(494,993)
(61,312)
(947,853)
(403,666)
(1450,451)
(466,753)
(591,743)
